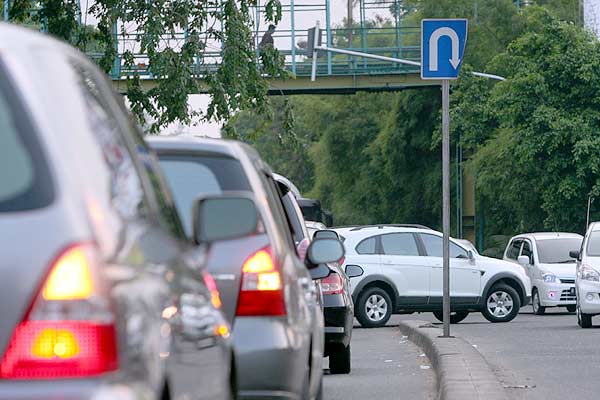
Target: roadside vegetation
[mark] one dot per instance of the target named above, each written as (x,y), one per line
(531,142)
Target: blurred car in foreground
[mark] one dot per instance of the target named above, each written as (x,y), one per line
(587,281)
(402,267)
(101,296)
(545,257)
(267,291)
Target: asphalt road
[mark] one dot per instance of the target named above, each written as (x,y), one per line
(385,365)
(536,357)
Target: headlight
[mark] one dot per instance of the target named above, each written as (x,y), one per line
(549,277)
(588,273)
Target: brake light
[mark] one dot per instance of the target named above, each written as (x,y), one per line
(69,330)
(332,284)
(261,291)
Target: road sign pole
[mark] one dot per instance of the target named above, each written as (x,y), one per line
(446,201)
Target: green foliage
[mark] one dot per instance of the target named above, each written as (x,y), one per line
(531,141)
(237,84)
(540,159)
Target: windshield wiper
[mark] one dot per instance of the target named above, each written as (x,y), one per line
(566,261)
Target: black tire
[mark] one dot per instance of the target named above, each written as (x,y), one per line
(379,317)
(340,360)
(504,294)
(572,308)
(538,309)
(583,320)
(455,316)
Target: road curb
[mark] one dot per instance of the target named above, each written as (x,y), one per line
(462,372)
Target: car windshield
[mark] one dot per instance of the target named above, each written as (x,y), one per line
(192,176)
(593,246)
(24,180)
(556,251)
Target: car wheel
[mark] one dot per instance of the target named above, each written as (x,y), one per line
(538,309)
(502,304)
(374,308)
(583,320)
(572,308)
(340,360)
(455,316)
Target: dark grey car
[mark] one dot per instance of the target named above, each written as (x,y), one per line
(101,294)
(278,334)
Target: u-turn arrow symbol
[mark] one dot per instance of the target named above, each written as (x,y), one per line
(434,48)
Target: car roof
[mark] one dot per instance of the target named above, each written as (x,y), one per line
(549,235)
(191,143)
(17,37)
(595,226)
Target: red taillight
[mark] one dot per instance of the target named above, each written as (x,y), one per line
(69,331)
(261,291)
(332,284)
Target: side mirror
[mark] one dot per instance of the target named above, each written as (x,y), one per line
(523,260)
(326,233)
(321,271)
(323,251)
(471,255)
(223,217)
(353,271)
(576,254)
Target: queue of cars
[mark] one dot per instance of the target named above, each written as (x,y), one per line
(199,284)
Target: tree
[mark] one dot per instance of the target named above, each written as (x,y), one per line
(238,83)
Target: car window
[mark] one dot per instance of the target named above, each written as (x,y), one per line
(514,249)
(593,245)
(288,201)
(434,244)
(526,251)
(274,199)
(24,178)
(555,251)
(192,176)
(127,192)
(400,244)
(367,246)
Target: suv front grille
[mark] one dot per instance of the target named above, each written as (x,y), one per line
(567,280)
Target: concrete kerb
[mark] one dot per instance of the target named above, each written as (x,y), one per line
(462,372)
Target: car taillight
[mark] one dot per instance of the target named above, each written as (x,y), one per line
(261,291)
(69,330)
(332,284)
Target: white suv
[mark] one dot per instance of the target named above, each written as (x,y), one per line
(402,273)
(546,259)
(587,282)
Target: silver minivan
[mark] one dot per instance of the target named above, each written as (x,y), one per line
(102,296)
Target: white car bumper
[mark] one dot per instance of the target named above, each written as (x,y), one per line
(556,294)
(589,296)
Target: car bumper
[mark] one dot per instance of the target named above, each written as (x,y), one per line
(589,297)
(75,389)
(271,358)
(557,294)
(339,318)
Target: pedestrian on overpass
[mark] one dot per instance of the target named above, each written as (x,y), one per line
(267,39)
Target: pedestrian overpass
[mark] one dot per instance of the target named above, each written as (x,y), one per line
(380,29)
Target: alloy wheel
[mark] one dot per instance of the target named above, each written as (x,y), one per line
(376,307)
(500,304)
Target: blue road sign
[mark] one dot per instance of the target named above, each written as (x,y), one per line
(442,47)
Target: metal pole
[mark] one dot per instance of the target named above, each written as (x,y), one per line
(313,73)
(292,15)
(328,30)
(446,200)
(6,8)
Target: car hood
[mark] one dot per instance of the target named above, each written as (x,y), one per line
(560,270)
(507,265)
